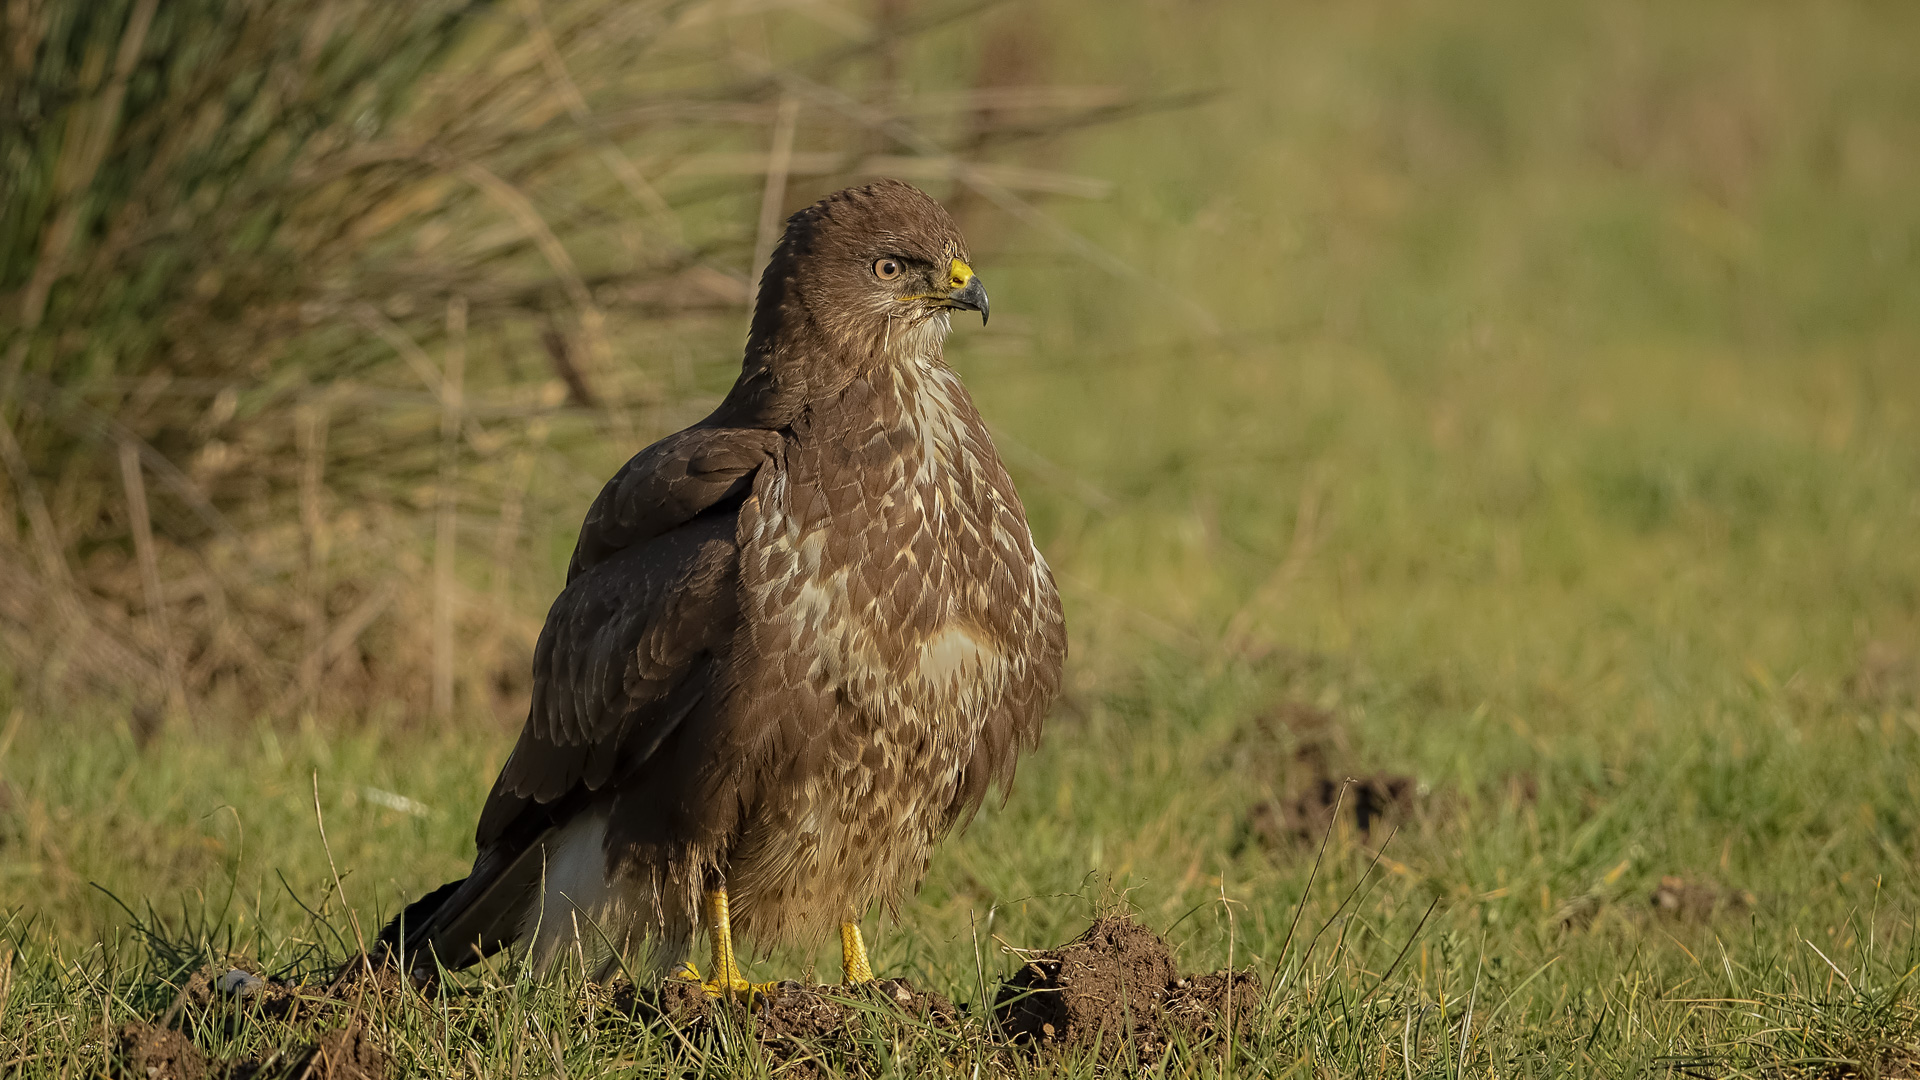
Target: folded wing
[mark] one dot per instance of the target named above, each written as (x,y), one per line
(633,647)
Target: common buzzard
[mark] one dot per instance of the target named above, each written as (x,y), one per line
(798,642)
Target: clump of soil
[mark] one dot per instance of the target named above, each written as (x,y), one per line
(821,1021)
(1304,818)
(349,1053)
(1208,1005)
(1696,901)
(788,1009)
(150,1052)
(222,993)
(146,1051)
(1886,675)
(1305,752)
(1579,912)
(1677,899)
(1117,985)
(820,1011)
(681,1001)
(1109,979)
(223,986)
(792,1021)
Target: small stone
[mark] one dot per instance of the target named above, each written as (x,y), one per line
(241,984)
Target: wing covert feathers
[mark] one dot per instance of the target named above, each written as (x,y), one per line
(669,484)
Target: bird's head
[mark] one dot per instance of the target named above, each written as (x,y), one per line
(868,274)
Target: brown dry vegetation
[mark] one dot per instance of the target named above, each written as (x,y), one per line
(316,316)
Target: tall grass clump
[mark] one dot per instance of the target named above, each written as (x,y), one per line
(310,313)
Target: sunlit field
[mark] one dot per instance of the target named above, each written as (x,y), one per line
(1514,409)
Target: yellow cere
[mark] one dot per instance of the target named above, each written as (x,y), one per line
(959,274)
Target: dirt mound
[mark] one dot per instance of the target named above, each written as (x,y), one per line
(788,1009)
(1304,818)
(1887,676)
(217,987)
(1116,984)
(1207,1005)
(1307,752)
(146,1051)
(349,1053)
(1675,899)
(793,1022)
(803,1029)
(149,1052)
(1690,900)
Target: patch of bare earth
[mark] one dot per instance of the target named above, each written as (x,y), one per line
(1695,900)
(146,1051)
(149,1052)
(1307,756)
(1886,676)
(1676,899)
(799,1027)
(158,1051)
(349,1053)
(1116,987)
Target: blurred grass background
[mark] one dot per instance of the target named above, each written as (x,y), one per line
(1514,400)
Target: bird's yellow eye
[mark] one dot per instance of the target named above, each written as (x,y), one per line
(888,269)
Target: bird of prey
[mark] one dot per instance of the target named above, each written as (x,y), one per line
(799,640)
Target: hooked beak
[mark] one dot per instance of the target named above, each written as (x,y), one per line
(967,294)
(971,297)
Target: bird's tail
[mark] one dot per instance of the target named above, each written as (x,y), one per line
(393,936)
(462,921)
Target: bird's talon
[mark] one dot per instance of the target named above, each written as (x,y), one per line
(739,990)
(719,987)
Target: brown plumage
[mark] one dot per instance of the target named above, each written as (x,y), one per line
(799,640)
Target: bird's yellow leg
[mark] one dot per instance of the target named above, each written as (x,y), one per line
(727,980)
(853,955)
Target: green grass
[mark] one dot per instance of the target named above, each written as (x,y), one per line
(1562,440)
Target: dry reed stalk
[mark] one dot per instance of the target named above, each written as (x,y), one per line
(994,99)
(310,422)
(592,320)
(46,542)
(403,345)
(889,34)
(773,195)
(346,630)
(58,588)
(452,377)
(616,159)
(843,163)
(974,177)
(135,485)
(506,536)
